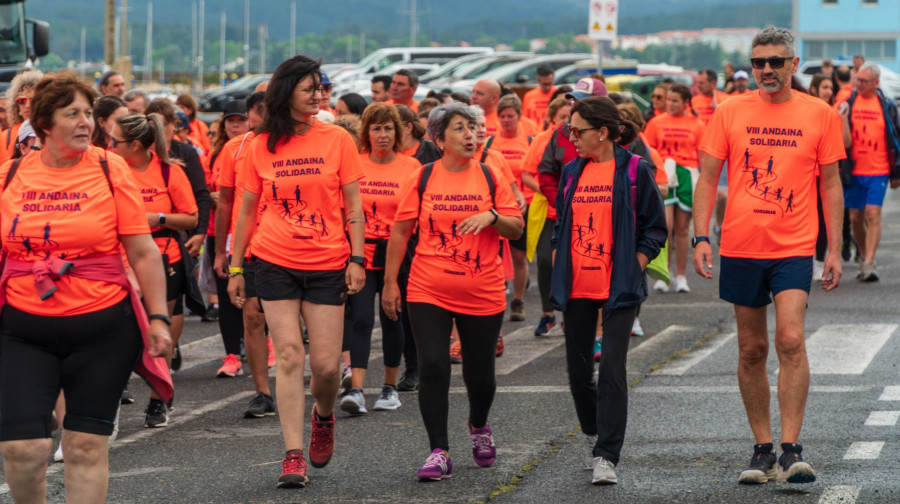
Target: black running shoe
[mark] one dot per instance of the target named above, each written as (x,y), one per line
(157,414)
(791,467)
(176,358)
(261,405)
(127,398)
(408,381)
(762,466)
(212,313)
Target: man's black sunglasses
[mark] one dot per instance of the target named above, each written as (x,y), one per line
(774,62)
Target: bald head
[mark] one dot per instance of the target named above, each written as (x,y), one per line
(485,94)
(262,86)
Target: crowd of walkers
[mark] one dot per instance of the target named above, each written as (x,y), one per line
(292,224)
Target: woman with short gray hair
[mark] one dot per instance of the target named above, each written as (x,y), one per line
(462,209)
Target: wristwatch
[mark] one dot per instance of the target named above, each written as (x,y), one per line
(697,239)
(160,316)
(162,219)
(358,260)
(496,216)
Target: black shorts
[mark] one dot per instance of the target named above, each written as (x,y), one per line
(90,357)
(749,282)
(176,280)
(275,283)
(521,242)
(249,266)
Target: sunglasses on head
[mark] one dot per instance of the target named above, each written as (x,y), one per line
(22,100)
(774,62)
(325,87)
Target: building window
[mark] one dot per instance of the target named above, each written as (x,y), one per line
(873,49)
(813,50)
(829,2)
(870,2)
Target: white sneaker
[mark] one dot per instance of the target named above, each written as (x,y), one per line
(354,402)
(389,399)
(818,270)
(115,432)
(661,286)
(346,381)
(604,472)
(589,442)
(681,284)
(636,329)
(58,455)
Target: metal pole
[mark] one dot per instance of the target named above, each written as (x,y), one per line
(124,46)
(109,37)
(148,50)
(222,48)
(262,48)
(193,40)
(293,29)
(200,45)
(83,42)
(413,32)
(246,37)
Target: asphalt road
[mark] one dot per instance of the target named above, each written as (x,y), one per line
(687,436)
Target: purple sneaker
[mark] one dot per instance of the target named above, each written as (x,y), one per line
(437,466)
(483,450)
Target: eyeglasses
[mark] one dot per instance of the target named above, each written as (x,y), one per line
(864,82)
(116,141)
(325,88)
(576,132)
(22,100)
(657,97)
(775,62)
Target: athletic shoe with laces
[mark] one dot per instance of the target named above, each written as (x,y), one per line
(484,452)
(791,467)
(547,323)
(354,402)
(157,414)
(127,397)
(598,348)
(58,454)
(500,346)
(261,405)
(437,466)
(271,356)
(604,472)
(762,466)
(321,440)
(293,470)
(346,381)
(661,286)
(681,284)
(517,310)
(589,443)
(867,272)
(636,329)
(455,352)
(845,250)
(409,381)
(231,366)
(176,358)
(388,400)
(212,313)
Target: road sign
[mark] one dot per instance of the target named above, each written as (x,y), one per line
(603,19)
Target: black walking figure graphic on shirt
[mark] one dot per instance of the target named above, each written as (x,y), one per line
(462,258)
(296,211)
(46,235)
(30,242)
(587,243)
(12,230)
(762,182)
(376,224)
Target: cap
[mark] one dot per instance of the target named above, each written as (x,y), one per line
(586,87)
(26,131)
(182,121)
(740,74)
(235,108)
(325,79)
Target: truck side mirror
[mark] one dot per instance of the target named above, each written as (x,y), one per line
(40,37)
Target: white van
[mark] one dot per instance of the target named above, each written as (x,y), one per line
(377,60)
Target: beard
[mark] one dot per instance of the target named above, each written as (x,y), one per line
(773,87)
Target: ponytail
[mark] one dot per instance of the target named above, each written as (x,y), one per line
(148,130)
(628,131)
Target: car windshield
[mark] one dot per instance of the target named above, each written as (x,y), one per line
(13,47)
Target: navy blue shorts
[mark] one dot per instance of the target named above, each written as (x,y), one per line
(753,282)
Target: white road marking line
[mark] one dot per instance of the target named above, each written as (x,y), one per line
(891,393)
(682,306)
(883,418)
(839,494)
(685,362)
(522,347)
(141,471)
(733,389)
(656,341)
(846,349)
(864,450)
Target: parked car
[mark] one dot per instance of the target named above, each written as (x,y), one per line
(475,67)
(378,60)
(214,100)
(524,72)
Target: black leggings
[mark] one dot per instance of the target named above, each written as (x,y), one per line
(602,408)
(545,264)
(89,357)
(361,319)
(431,326)
(231,319)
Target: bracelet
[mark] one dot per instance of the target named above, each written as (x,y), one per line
(235,270)
(232,275)
(160,316)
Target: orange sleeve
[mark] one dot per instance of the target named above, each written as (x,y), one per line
(650,133)
(131,215)
(204,135)
(504,201)
(660,176)
(408,206)
(351,168)
(181,192)
(496,160)
(249,179)
(714,142)
(831,144)
(224,166)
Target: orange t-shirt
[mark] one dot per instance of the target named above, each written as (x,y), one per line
(592,234)
(704,104)
(229,163)
(868,148)
(67,213)
(492,124)
(460,273)
(177,198)
(842,95)
(529,127)
(660,176)
(300,185)
(535,103)
(677,138)
(533,158)
(496,160)
(380,191)
(414,105)
(411,151)
(772,153)
(513,150)
(199,134)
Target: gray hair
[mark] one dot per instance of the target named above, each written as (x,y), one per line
(25,80)
(136,93)
(476,111)
(773,35)
(439,118)
(872,67)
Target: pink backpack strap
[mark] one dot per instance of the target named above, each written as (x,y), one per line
(632,177)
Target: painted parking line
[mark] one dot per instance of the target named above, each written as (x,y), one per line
(891,393)
(883,418)
(839,494)
(685,362)
(864,450)
(846,349)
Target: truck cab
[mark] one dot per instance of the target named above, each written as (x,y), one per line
(15,49)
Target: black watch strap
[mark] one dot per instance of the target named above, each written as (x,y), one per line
(496,216)
(697,239)
(160,316)
(361,260)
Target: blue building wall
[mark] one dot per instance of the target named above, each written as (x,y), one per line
(843,28)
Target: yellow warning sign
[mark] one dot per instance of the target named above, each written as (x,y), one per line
(609,27)
(596,26)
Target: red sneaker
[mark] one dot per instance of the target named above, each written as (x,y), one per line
(455,352)
(500,345)
(231,367)
(271,358)
(293,470)
(321,440)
